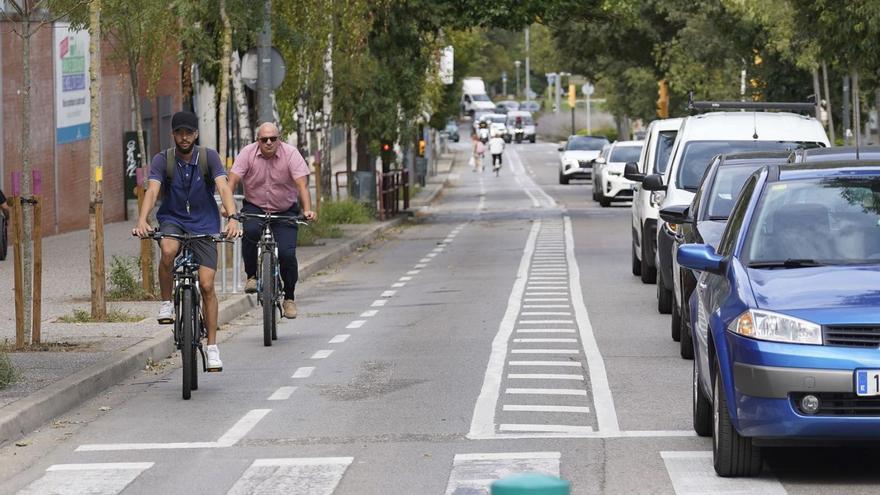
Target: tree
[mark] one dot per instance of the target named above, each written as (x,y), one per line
(96,203)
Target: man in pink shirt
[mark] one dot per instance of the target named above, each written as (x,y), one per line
(274,176)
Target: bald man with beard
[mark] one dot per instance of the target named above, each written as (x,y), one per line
(275,179)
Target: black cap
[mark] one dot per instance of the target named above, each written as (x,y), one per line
(184,120)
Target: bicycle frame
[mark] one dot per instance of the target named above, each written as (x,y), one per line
(186,275)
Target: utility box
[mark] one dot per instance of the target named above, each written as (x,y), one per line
(364,187)
(421,170)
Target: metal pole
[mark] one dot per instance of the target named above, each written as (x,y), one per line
(589,124)
(528,70)
(264,71)
(845,111)
(557,83)
(517,64)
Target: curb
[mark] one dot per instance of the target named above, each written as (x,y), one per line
(29,413)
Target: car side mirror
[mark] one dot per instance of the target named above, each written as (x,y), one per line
(631,171)
(677,214)
(700,257)
(598,160)
(653,182)
(561,148)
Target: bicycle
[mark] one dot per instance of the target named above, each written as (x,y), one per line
(189,328)
(269,293)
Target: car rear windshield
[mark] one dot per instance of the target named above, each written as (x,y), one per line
(499,119)
(728,183)
(817,221)
(625,154)
(665,140)
(697,155)
(586,143)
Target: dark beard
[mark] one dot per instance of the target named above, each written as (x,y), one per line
(183,151)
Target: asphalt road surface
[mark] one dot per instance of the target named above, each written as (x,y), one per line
(503,334)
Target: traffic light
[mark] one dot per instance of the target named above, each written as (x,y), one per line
(571,96)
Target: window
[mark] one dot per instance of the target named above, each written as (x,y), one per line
(725,189)
(625,154)
(588,143)
(734,224)
(665,140)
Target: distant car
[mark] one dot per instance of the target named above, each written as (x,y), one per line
(575,158)
(497,123)
(520,126)
(609,183)
(787,314)
(510,105)
(530,106)
(451,130)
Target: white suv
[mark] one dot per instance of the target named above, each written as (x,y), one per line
(608,181)
(659,139)
(702,137)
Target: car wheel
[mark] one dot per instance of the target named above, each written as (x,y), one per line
(636,264)
(649,273)
(732,454)
(563,179)
(702,408)
(675,323)
(532,140)
(686,342)
(604,202)
(664,296)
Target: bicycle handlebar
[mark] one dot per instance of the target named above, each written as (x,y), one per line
(221,237)
(266,217)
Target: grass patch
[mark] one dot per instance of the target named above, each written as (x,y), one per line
(113,316)
(9,347)
(348,211)
(124,281)
(7,372)
(309,236)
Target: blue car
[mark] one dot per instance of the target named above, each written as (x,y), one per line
(787,314)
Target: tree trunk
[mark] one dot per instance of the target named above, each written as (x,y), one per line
(327,111)
(828,103)
(96,205)
(817,93)
(623,125)
(241,108)
(222,141)
(856,107)
(348,143)
(27,252)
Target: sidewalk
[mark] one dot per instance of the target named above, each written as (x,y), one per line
(84,359)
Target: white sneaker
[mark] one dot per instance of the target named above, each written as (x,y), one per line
(166,313)
(214,362)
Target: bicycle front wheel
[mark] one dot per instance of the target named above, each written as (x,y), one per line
(268,295)
(187,349)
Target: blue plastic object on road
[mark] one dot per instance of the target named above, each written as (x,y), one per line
(530,484)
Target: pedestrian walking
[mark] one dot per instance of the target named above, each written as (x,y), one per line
(496,148)
(478,151)
(187,175)
(274,175)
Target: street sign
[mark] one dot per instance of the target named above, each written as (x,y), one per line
(250,68)
(447,65)
(587,89)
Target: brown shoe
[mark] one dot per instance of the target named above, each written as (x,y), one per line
(289,308)
(250,287)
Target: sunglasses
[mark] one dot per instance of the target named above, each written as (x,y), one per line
(268,139)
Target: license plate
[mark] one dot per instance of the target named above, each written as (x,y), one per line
(867,383)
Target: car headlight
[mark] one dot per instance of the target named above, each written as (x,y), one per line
(672,227)
(765,325)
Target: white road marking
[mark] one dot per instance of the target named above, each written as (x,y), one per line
(545,376)
(404,279)
(93,479)
(369,313)
(549,299)
(473,474)
(388,293)
(542,277)
(356,324)
(315,476)
(438,250)
(430,255)
(538,408)
(282,393)
(424,260)
(379,302)
(339,338)
(546,306)
(322,354)
(529,322)
(545,313)
(546,330)
(303,372)
(398,285)
(546,351)
(692,474)
(546,428)
(573,364)
(420,265)
(230,438)
(546,293)
(606,413)
(546,391)
(567,341)
(413,272)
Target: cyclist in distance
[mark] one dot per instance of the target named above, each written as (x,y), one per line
(274,175)
(188,207)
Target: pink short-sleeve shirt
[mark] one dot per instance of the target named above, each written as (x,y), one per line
(269,183)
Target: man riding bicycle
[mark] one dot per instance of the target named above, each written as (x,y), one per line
(274,175)
(188,207)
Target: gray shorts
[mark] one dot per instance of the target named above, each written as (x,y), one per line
(204,250)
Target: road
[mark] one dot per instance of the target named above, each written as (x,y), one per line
(503,334)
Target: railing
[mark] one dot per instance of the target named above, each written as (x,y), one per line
(345,185)
(234,285)
(392,185)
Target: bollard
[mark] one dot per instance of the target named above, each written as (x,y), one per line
(530,484)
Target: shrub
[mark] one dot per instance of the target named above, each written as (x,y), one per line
(124,281)
(113,316)
(7,372)
(348,211)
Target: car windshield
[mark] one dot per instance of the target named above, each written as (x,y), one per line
(728,183)
(452,127)
(525,119)
(697,155)
(481,97)
(665,140)
(586,143)
(625,154)
(816,221)
(499,119)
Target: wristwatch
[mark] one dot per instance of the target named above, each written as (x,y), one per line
(235,216)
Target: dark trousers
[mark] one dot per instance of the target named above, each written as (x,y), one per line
(285,238)
(496,158)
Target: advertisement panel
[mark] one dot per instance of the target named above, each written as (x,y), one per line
(72,101)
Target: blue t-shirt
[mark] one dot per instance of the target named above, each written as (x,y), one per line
(188,188)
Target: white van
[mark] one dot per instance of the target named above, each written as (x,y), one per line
(702,137)
(473,96)
(659,139)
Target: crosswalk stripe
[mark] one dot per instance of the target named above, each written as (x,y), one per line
(315,476)
(473,474)
(545,341)
(544,376)
(545,330)
(546,391)
(692,473)
(545,351)
(546,428)
(573,364)
(94,479)
(540,408)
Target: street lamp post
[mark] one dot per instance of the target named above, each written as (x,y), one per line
(504,83)
(517,63)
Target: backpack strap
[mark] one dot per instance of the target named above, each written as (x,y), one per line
(171,164)
(203,166)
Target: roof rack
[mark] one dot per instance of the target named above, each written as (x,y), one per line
(748,105)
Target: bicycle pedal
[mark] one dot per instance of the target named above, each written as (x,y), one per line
(214,370)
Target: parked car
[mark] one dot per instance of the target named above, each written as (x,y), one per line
(575,158)
(700,138)
(609,184)
(451,130)
(520,126)
(646,204)
(835,153)
(787,314)
(703,221)
(497,123)
(530,106)
(509,105)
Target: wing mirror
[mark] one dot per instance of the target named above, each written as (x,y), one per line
(653,182)
(599,160)
(631,171)
(700,257)
(677,214)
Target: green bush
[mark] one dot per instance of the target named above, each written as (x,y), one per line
(113,316)
(309,235)
(7,372)
(123,278)
(348,211)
